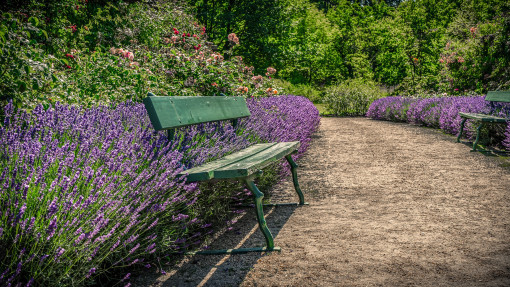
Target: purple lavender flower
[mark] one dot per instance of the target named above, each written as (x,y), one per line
(91,271)
(80,238)
(18,268)
(59,253)
(179,217)
(51,228)
(134,248)
(153,224)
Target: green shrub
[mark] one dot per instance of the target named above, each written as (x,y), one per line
(308,91)
(352,97)
(115,53)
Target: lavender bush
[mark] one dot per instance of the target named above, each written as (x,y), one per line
(425,112)
(390,108)
(440,112)
(86,192)
(283,119)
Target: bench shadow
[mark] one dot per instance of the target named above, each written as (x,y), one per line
(227,270)
(486,150)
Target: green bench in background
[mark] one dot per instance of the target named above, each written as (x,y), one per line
(169,113)
(493,96)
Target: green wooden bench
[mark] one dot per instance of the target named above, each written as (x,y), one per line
(169,113)
(493,96)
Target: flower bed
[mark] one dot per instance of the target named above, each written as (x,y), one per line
(440,113)
(89,191)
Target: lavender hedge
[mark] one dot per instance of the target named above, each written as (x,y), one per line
(86,192)
(283,119)
(390,108)
(440,113)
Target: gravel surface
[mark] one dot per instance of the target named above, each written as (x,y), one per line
(390,205)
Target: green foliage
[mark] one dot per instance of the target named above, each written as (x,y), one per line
(399,44)
(309,53)
(476,56)
(308,91)
(352,97)
(105,54)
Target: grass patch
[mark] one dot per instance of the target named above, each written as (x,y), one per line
(322,109)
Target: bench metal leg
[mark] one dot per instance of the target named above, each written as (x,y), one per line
(293,169)
(477,136)
(258,197)
(260,213)
(259,209)
(461,129)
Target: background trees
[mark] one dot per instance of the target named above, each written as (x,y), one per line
(410,46)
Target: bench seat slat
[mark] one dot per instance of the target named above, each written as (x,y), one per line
(257,161)
(206,171)
(483,117)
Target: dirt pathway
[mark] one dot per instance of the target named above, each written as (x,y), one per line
(390,205)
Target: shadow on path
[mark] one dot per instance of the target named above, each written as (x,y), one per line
(225,270)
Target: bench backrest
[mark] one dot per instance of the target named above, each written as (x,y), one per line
(498,96)
(172,112)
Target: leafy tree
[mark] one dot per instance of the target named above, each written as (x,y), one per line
(309,47)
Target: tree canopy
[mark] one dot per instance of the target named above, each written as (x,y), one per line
(431,45)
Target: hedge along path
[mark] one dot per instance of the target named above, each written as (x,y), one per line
(390,205)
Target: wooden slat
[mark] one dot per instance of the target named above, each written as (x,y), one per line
(258,161)
(483,117)
(174,112)
(206,171)
(498,96)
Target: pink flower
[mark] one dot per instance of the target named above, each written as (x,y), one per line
(233,38)
(270,71)
(256,79)
(242,89)
(73,28)
(473,31)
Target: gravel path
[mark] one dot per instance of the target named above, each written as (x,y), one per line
(390,205)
